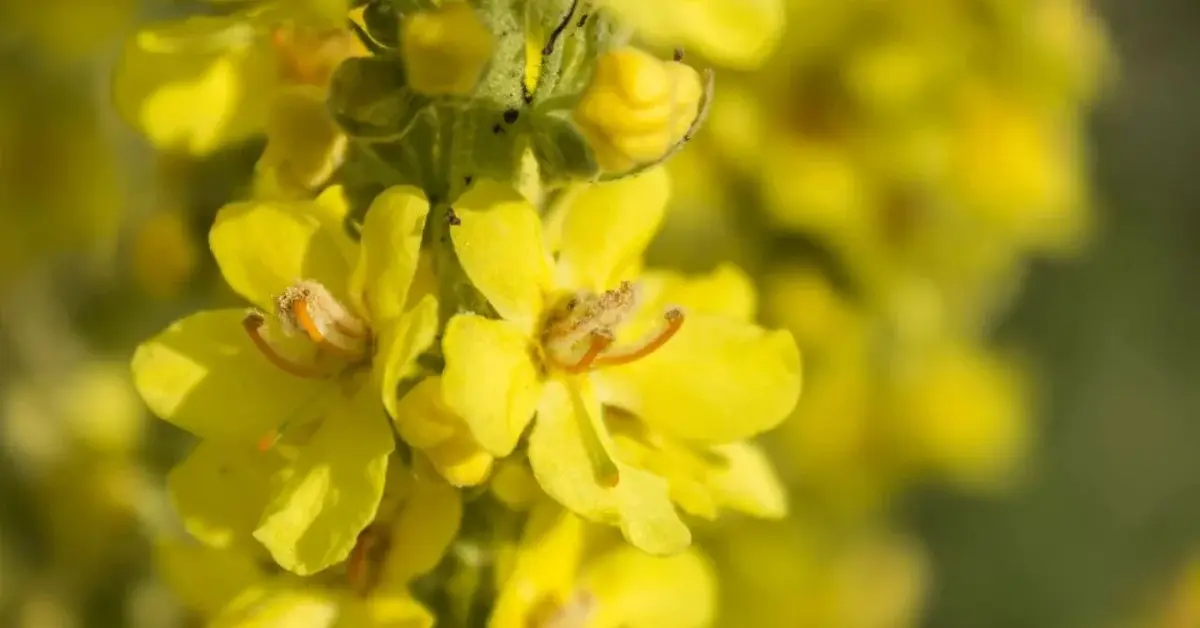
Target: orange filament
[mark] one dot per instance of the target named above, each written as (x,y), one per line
(300,312)
(598,345)
(252,323)
(267,442)
(674,320)
(371,542)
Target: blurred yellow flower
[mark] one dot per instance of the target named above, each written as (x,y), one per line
(637,107)
(445,49)
(304,145)
(777,576)
(207,82)
(163,254)
(962,413)
(69,30)
(735,33)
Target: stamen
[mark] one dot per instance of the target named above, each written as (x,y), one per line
(598,345)
(308,307)
(372,543)
(252,323)
(586,318)
(674,320)
(305,321)
(268,441)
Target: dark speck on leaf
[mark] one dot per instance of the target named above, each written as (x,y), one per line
(582,20)
(468,179)
(678,54)
(497,129)
(452,218)
(511,115)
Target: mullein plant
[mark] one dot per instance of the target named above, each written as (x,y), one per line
(886,177)
(907,163)
(457,392)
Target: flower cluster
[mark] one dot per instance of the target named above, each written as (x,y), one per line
(907,161)
(459,391)
(502,304)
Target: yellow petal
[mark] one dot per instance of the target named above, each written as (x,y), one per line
(388,609)
(726,291)
(546,565)
(461,460)
(608,226)
(401,341)
(332,490)
(735,33)
(199,97)
(219,492)
(683,468)
(635,590)
(639,504)
(513,483)
(745,481)
(491,379)
(486,193)
(204,375)
(265,247)
(502,251)
(424,422)
(304,144)
(718,380)
(275,605)
(446,49)
(421,418)
(205,579)
(390,252)
(424,530)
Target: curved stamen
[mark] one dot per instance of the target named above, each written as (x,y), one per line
(598,345)
(252,323)
(362,565)
(673,319)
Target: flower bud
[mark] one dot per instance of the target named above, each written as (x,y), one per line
(304,144)
(637,107)
(445,50)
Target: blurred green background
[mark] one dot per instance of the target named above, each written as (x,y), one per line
(1098,531)
(1112,509)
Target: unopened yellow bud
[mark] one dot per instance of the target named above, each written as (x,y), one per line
(304,144)
(445,50)
(637,107)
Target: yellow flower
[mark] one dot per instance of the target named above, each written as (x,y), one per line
(207,82)
(164,255)
(425,422)
(637,107)
(326,365)
(304,145)
(1020,169)
(68,29)
(735,33)
(574,336)
(963,414)
(783,576)
(60,189)
(565,574)
(416,524)
(445,50)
